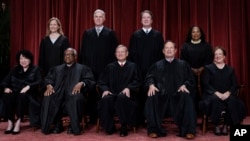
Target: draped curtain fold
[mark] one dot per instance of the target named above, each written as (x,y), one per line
(225,22)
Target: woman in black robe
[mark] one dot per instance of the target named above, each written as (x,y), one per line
(220,93)
(52,46)
(20,88)
(197,53)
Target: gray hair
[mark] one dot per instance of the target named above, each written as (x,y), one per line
(73,50)
(99,11)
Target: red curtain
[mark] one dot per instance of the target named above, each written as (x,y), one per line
(225,22)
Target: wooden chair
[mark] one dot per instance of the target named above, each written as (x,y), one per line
(205,119)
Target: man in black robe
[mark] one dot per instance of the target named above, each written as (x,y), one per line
(97,50)
(170,84)
(66,85)
(118,85)
(145,48)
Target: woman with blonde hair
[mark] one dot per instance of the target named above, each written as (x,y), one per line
(52,46)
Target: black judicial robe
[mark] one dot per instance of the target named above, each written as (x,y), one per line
(63,79)
(221,80)
(115,78)
(16,80)
(145,49)
(52,54)
(97,51)
(197,55)
(168,77)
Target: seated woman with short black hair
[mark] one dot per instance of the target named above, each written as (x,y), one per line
(20,85)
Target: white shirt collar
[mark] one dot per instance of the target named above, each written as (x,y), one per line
(119,62)
(169,59)
(101,27)
(149,29)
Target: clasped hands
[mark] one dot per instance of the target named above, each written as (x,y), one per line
(222,96)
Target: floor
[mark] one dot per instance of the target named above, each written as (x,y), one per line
(27,134)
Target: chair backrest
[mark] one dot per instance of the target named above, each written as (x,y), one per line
(240,90)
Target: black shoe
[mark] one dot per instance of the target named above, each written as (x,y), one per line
(217,130)
(110,132)
(9,131)
(57,130)
(124,131)
(15,132)
(58,127)
(70,131)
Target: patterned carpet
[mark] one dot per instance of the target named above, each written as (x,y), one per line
(27,134)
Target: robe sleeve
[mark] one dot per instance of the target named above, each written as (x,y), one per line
(41,55)
(88,78)
(38,78)
(136,82)
(103,80)
(150,77)
(233,79)
(189,81)
(209,89)
(50,77)
(6,83)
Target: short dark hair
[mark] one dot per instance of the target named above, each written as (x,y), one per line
(170,42)
(26,54)
(147,11)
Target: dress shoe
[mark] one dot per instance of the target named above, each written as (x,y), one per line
(15,132)
(123,132)
(189,136)
(57,130)
(70,131)
(217,131)
(224,130)
(153,135)
(8,131)
(110,132)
